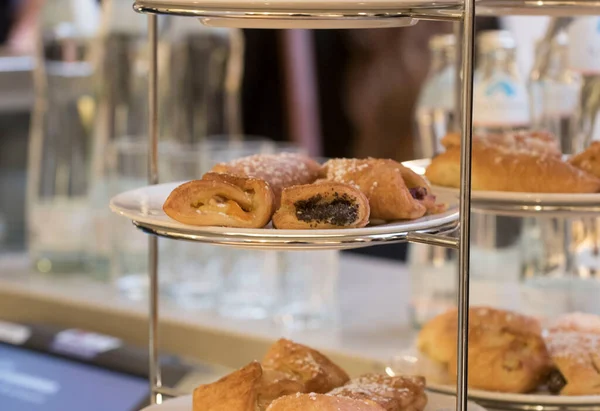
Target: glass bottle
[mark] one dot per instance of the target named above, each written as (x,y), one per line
(435,109)
(554,90)
(499,92)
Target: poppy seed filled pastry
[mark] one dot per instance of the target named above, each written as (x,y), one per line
(222,200)
(501,163)
(242,193)
(398,393)
(322,205)
(394,191)
(506,349)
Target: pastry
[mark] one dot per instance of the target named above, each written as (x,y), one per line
(576,358)
(394,191)
(521,168)
(536,142)
(399,393)
(222,200)
(321,402)
(247,389)
(314,370)
(242,193)
(506,349)
(588,160)
(278,170)
(582,322)
(322,205)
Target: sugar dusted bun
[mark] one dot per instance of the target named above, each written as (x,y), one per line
(321,206)
(321,402)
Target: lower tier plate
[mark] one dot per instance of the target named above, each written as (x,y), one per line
(144,207)
(436,402)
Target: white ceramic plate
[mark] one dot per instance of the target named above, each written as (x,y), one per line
(144,205)
(504,198)
(436,402)
(412,362)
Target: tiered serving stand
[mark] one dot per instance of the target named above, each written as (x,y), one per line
(348,14)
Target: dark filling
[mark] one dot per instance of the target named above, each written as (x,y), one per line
(418,193)
(555,381)
(340,211)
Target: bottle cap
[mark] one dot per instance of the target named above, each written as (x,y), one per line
(494,40)
(442,41)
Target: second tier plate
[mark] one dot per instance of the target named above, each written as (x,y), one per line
(144,207)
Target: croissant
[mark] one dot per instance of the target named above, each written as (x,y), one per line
(323,205)
(394,191)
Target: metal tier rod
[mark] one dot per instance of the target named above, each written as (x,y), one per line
(467,39)
(154,365)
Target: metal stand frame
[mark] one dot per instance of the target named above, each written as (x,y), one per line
(465,29)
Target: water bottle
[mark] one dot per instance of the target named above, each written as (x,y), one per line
(435,109)
(500,94)
(584,58)
(554,91)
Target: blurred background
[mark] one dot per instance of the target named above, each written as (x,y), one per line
(73,129)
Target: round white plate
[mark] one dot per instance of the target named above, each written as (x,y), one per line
(144,206)
(511,201)
(436,402)
(411,361)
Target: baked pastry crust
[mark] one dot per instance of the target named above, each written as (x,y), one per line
(494,168)
(395,192)
(278,170)
(398,393)
(533,142)
(588,160)
(321,402)
(222,200)
(577,357)
(247,389)
(314,370)
(321,206)
(506,349)
(577,321)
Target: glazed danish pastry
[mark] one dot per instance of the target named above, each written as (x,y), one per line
(243,193)
(506,349)
(322,205)
(394,191)
(519,165)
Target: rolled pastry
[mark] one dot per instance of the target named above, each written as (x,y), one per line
(222,200)
(394,191)
(278,170)
(322,402)
(321,206)
(496,169)
(588,160)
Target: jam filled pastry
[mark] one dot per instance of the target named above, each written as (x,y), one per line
(588,160)
(322,402)
(248,389)
(315,371)
(394,191)
(506,349)
(576,358)
(399,393)
(222,200)
(508,163)
(322,205)
(243,193)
